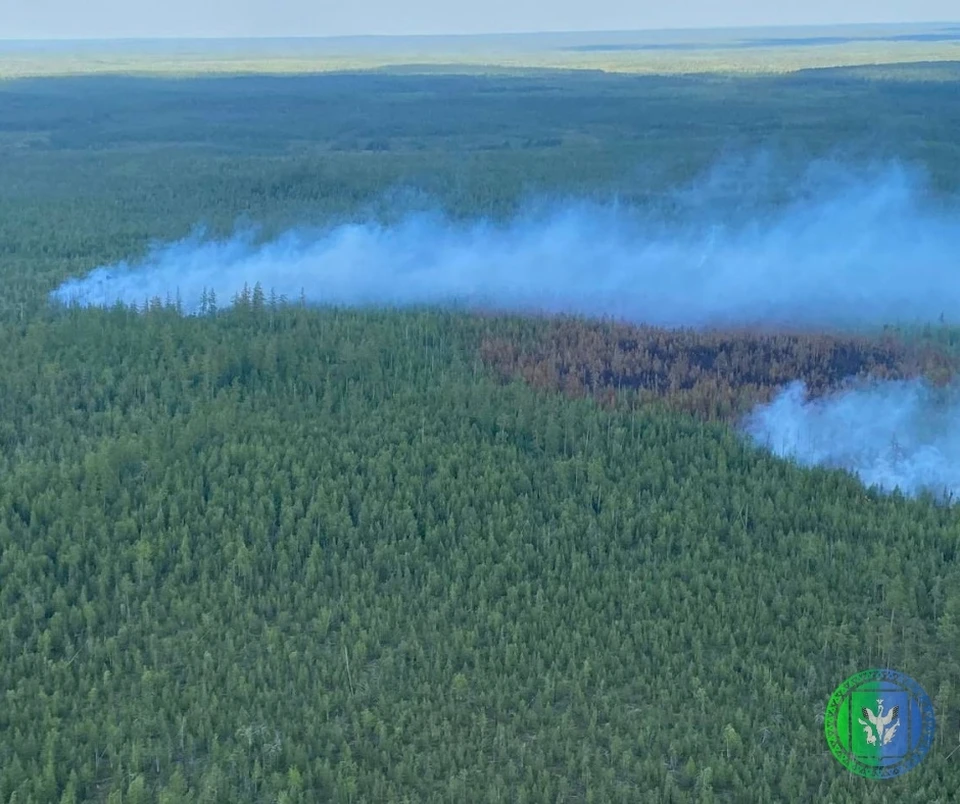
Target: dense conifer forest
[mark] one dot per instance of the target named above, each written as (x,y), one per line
(282,553)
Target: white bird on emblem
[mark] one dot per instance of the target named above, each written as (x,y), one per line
(880,722)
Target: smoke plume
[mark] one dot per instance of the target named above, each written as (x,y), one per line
(833,248)
(892,435)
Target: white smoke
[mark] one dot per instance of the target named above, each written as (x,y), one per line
(892,435)
(835,249)
(841,250)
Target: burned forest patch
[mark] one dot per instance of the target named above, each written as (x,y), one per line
(716,374)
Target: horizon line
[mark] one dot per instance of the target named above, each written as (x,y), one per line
(475,35)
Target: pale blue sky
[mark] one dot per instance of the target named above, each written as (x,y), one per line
(83,19)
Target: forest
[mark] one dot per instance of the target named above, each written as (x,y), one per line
(280,552)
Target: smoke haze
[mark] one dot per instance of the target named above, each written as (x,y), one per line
(902,435)
(837,249)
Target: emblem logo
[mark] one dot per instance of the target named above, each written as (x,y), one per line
(879,724)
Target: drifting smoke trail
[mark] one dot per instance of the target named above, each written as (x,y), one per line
(902,435)
(842,250)
(835,249)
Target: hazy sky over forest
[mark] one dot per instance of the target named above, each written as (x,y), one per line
(107,19)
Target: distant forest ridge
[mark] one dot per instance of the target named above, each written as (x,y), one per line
(948,35)
(583,41)
(750,51)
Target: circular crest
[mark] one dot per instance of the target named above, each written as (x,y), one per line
(879,724)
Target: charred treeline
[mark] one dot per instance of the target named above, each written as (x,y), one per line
(716,374)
